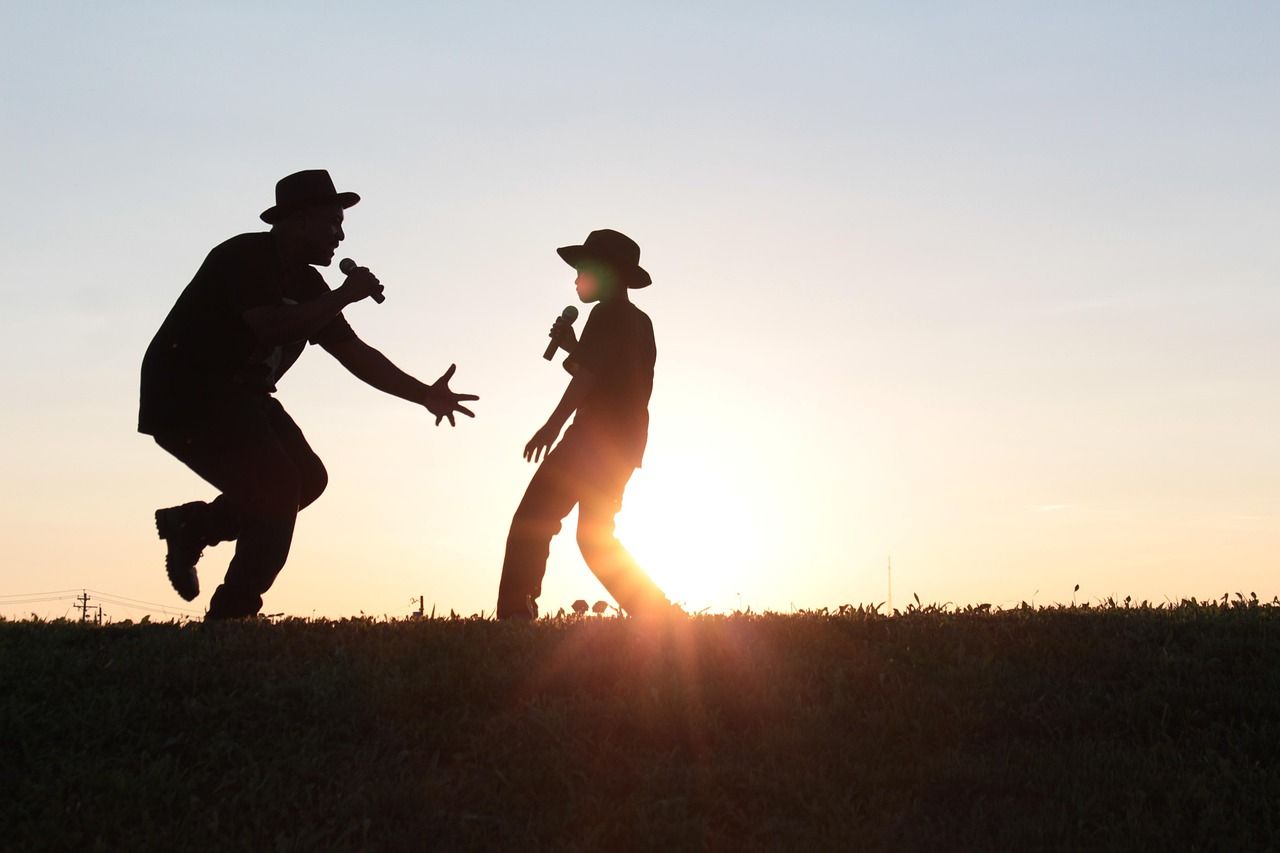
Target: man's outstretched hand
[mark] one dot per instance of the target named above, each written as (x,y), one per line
(442,402)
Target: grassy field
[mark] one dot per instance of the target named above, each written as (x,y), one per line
(1061,728)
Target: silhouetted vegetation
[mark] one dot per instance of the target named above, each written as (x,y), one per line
(1119,726)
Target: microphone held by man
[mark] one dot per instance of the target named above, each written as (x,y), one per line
(561,332)
(348,266)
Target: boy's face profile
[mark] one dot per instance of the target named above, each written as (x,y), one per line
(594,282)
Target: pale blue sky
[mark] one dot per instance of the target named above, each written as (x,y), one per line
(991,287)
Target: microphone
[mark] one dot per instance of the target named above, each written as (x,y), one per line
(569,313)
(347,265)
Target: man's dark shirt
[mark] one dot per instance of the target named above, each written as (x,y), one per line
(616,347)
(205,356)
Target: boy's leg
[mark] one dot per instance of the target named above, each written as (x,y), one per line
(551,496)
(621,575)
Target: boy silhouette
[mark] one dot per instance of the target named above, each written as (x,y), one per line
(612,370)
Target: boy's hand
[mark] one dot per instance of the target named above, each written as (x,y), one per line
(442,402)
(562,333)
(541,442)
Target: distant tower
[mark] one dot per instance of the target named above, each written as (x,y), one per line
(891,584)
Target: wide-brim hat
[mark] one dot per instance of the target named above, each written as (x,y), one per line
(305,189)
(613,248)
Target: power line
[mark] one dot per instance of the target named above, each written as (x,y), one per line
(124,598)
(22,602)
(15,599)
(149,607)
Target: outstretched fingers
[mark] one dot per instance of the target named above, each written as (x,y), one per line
(443,402)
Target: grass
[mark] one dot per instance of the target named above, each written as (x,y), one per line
(1062,728)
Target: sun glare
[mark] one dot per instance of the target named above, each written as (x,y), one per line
(691,528)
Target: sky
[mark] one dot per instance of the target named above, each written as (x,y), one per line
(988,289)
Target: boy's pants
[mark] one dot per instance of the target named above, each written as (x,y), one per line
(575,472)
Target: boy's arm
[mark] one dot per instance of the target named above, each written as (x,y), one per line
(562,333)
(579,387)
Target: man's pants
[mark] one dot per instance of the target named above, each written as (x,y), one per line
(256,456)
(574,473)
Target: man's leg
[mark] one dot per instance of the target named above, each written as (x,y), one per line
(312,476)
(551,495)
(249,456)
(266,523)
(617,570)
(220,519)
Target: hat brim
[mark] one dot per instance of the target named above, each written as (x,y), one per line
(276,212)
(574,256)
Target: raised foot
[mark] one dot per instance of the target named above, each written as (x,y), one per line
(178,526)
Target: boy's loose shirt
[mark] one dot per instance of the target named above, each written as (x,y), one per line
(617,348)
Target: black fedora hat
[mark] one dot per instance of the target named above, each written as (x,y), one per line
(613,248)
(304,189)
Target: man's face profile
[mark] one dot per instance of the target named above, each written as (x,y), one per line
(319,231)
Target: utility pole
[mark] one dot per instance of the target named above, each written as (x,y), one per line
(82,604)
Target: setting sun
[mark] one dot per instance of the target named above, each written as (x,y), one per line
(691,526)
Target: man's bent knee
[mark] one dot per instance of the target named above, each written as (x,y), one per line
(276,498)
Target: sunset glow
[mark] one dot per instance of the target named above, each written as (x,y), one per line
(988,289)
(692,526)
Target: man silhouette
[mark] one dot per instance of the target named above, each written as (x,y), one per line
(210,372)
(612,370)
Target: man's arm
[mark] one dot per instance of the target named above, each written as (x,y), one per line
(579,387)
(279,324)
(375,369)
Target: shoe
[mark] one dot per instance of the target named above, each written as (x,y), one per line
(665,612)
(228,604)
(179,526)
(528,613)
